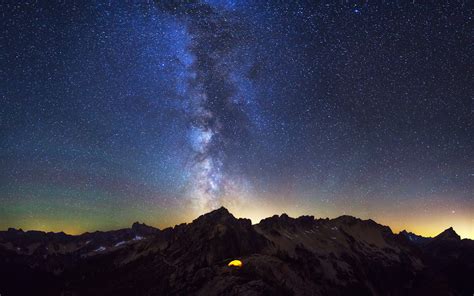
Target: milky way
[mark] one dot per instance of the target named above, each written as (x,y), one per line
(211,100)
(159,111)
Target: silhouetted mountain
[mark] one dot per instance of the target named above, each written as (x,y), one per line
(143,229)
(414,238)
(448,234)
(451,259)
(281,256)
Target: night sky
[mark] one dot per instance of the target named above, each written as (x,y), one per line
(118,111)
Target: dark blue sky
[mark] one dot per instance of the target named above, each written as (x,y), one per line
(115,111)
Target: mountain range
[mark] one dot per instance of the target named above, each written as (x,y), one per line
(280,256)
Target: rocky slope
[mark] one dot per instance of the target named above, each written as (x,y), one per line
(280,255)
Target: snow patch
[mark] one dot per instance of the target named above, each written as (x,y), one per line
(334,228)
(137,238)
(100,249)
(120,243)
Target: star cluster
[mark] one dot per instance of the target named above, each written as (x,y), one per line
(116,111)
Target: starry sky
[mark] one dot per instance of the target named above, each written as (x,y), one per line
(159,111)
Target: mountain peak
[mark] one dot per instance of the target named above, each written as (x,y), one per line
(142,228)
(414,238)
(136,223)
(448,234)
(218,215)
(220,212)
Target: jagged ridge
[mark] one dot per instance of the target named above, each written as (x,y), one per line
(281,255)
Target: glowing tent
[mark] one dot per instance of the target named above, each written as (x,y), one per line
(235,263)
